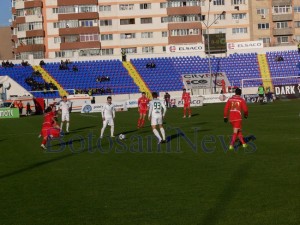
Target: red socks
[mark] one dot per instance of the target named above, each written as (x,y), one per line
(44,141)
(141,122)
(240,136)
(233,138)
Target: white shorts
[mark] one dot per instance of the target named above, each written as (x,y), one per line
(65,117)
(108,121)
(156,121)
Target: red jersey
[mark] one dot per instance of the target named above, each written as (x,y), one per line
(186,97)
(143,103)
(48,119)
(235,105)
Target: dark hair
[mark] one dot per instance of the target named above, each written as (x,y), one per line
(143,93)
(154,94)
(184,89)
(109,97)
(48,109)
(64,96)
(238,91)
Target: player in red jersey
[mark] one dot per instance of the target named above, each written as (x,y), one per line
(236,105)
(186,97)
(49,128)
(143,108)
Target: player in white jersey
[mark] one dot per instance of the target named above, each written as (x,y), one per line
(64,107)
(108,115)
(157,111)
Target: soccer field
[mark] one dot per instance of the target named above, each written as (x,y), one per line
(191,180)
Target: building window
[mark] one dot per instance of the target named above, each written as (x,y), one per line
(281,25)
(297,24)
(265,40)
(127,36)
(55,10)
(89,52)
(185,32)
(146,20)
(238,16)
(64,54)
(130,50)
(297,38)
(262,11)
(219,2)
(104,8)
(219,16)
(283,39)
(108,51)
(147,35)
(106,37)
(68,9)
(127,21)
(220,30)
(282,9)
(105,23)
(57,40)
(239,31)
(145,6)
(164,48)
(86,23)
(30,41)
(148,49)
(165,19)
(89,37)
(238,2)
(163,5)
(164,33)
(87,8)
(124,7)
(297,9)
(263,26)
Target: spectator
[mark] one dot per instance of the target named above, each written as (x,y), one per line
(123,53)
(75,68)
(24,63)
(3,64)
(7,63)
(28,109)
(11,64)
(167,100)
(42,63)
(20,106)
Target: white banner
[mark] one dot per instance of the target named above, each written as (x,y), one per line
(245,45)
(132,103)
(202,80)
(217,98)
(195,101)
(185,48)
(97,108)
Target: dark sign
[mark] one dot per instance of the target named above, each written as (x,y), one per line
(217,43)
(287,91)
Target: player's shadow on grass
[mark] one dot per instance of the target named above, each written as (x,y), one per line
(196,114)
(215,213)
(178,135)
(82,128)
(35,165)
(66,142)
(128,131)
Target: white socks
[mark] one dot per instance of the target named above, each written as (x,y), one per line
(67,128)
(156,134)
(163,134)
(112,128)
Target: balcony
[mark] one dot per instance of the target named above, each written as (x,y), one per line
(31,48)
(79,30)
(35,33)
(184,10)
(281,2)
(78,2)
(184,39)
(80,45)
(282,17)
(184,25)
(33,4)
(283,31)
(79,16)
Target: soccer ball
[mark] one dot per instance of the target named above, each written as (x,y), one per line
(121,136)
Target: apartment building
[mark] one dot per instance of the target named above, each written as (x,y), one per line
(63,28)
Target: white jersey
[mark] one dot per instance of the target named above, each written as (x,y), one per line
(65,106)
(108,111)
(157,108)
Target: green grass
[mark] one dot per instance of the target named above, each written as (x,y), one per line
(137,185)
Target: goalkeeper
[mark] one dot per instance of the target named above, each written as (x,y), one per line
(236,105)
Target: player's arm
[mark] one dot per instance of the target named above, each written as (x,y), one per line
(113,112)
(164,109)
(245,109)
(150,110)
(226,108)
(139,103)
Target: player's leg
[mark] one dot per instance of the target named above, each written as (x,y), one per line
(67,118)
(62,121)
(105,122)
(45,136)
(139,120)
(234,135)
(163,133)
(112,127)
(143,119)
(184,111)
(155,131)
(190,111)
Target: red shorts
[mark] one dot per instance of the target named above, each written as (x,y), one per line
(237,124)
(50,131)
(186,105)
(143,111)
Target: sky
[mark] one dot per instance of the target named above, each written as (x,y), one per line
(5,12)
